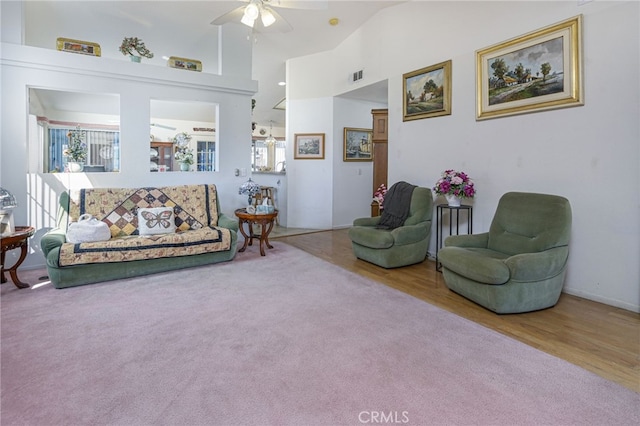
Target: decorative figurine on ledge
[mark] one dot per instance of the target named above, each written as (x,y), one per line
(134,44)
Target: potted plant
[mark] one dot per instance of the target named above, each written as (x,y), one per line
(184,156)
(76,151)
(135,47)
(455,185)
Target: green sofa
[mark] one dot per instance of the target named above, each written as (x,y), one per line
(204,234)
(520,264)
(398,247)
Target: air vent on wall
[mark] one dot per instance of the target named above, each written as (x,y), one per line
(356,76)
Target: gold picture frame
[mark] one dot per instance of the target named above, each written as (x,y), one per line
(185,63)
(357,144)
(78,46)
(426,92)
(505,81)
(308,146)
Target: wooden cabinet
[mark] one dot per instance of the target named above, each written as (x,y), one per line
(380,152)
(380,128)
(162,155)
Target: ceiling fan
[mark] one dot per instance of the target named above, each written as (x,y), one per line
(264,9)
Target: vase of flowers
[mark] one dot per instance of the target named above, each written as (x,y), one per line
(454,186)
(184,156)
(76,151)
(135,47)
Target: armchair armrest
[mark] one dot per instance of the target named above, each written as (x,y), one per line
(225,221)
(472,240)
(367,221)
(52,239)
(537,266)
(410,234)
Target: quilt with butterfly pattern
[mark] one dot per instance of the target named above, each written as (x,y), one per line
(195,215)
(137,247)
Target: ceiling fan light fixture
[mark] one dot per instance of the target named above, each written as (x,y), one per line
(247,21)
(267,16)
(270,141)
(252,10)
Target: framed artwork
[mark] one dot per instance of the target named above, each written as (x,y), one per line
(308,146)
(427,92)
(184,63)
(537,71)
(358,144)
(78,46)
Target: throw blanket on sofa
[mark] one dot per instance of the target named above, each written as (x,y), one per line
(194,206)
(134,247)
(396,205)
(196,219)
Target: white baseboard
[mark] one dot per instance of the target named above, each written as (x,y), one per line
(607,301)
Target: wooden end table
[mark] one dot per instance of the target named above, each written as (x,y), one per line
(265,220)
(18,239)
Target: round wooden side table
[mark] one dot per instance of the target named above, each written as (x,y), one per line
(18,239)
(265,220)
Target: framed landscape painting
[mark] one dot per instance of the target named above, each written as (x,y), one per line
(537,71)
(308,146)
(427,92)
(358,144)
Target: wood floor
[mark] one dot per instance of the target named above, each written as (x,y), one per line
(594,336)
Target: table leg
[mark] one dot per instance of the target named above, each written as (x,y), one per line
(264,235)
(2,277)
(246,237)
(13,271)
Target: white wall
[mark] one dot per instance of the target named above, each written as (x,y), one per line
(352,190)
(589,154)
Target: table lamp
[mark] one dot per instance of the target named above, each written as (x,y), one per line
(250,188)
(7,204)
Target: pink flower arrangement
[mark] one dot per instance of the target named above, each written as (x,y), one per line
(455,183)
(378,196)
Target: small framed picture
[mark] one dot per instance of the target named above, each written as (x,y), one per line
(308,146)
(185,64)
(427,92)
(358,145)
(78,46)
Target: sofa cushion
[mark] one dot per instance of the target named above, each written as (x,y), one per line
(156,220)
(194,206)
(134,247)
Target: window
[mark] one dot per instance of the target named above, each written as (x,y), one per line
(268,158)
(103,150)
(54,113)
(206,156)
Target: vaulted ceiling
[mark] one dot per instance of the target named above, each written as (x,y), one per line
(173,27)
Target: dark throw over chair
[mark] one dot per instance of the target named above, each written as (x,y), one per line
(397,247)
(520,264)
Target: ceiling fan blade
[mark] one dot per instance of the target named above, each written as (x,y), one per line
(298,4)
(234,16)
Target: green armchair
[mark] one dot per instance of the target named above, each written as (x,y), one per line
(520,264)
(398,247)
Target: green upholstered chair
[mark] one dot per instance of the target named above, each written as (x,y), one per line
(401,246)
(520,264)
